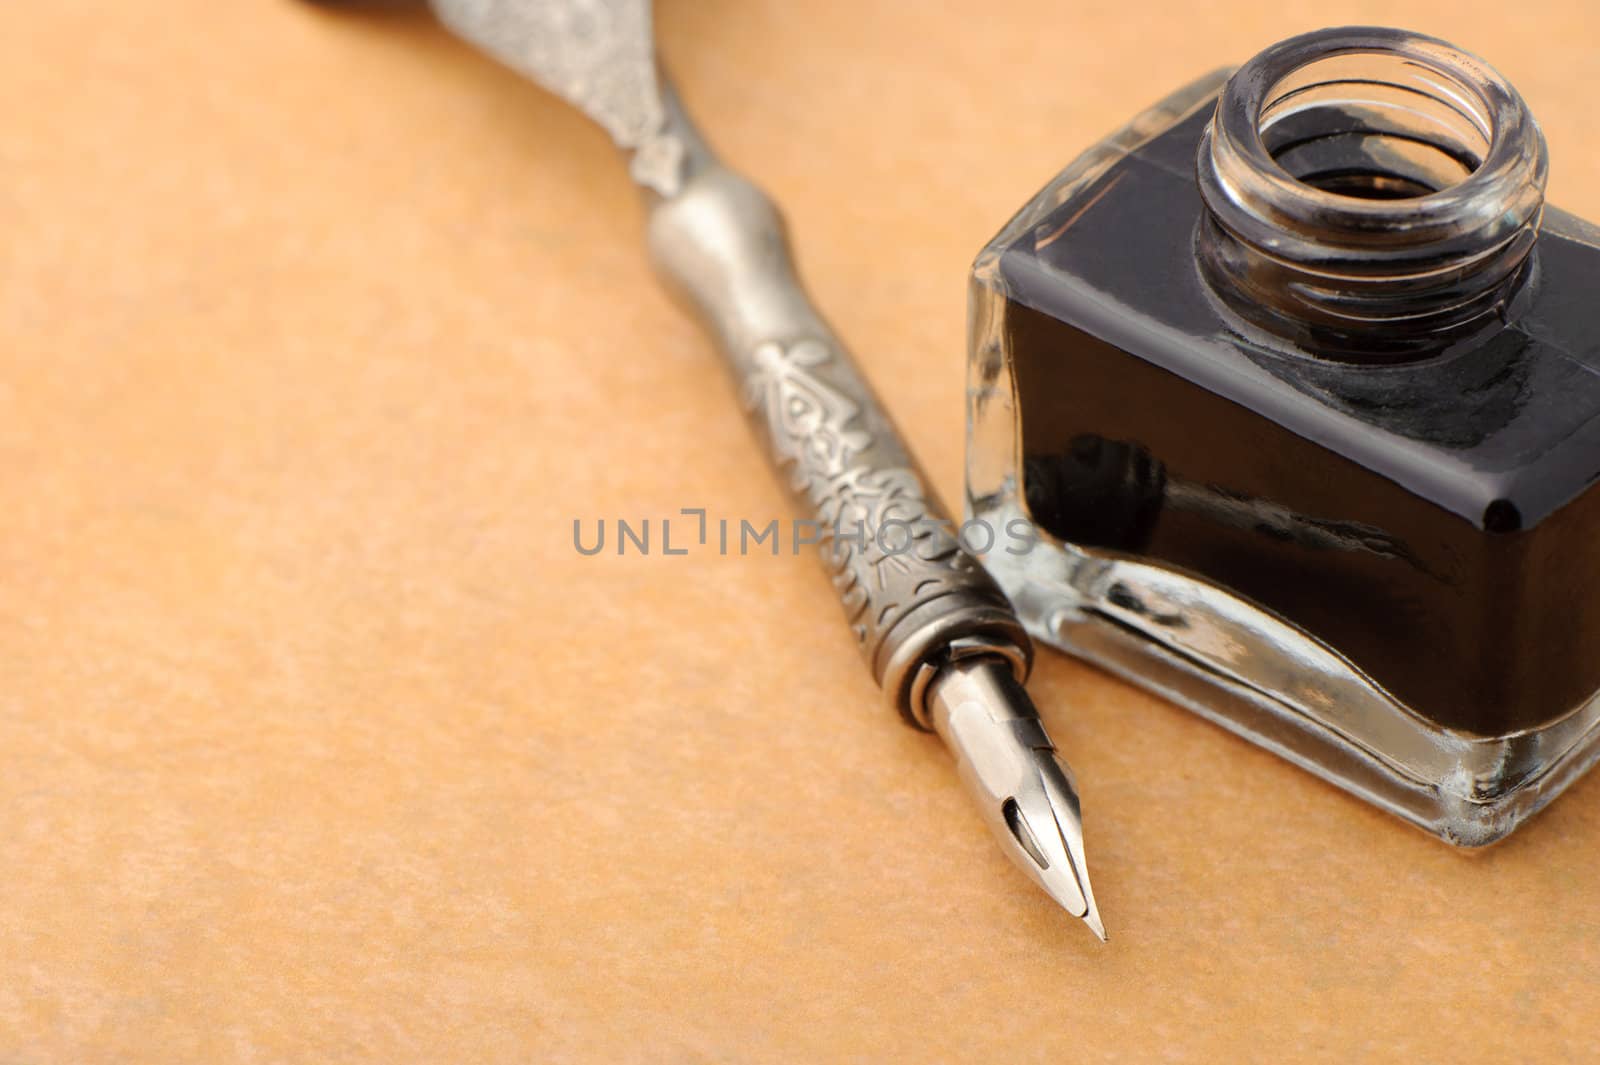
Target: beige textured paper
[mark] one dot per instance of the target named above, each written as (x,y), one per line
(318,740)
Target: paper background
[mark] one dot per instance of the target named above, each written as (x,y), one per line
(319,741)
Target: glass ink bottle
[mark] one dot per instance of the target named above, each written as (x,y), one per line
(1293,385)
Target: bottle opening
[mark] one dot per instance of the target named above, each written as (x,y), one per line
(1371,194)
(1375,126)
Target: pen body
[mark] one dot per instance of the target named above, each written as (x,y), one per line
(908,589)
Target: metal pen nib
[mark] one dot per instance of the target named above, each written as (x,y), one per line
(1025,792)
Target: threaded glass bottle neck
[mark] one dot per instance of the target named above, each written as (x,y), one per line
(1371,193)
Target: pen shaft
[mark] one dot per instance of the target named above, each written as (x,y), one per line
(908,590)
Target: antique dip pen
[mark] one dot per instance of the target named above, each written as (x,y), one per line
(936,632)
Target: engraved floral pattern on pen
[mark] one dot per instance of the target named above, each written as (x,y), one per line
(884,553)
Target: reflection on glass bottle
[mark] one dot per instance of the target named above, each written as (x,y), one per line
(1110,494)
(1309,338)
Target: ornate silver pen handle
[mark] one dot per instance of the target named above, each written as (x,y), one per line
(909,592)
(938,636)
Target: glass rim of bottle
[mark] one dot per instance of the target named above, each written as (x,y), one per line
(1294,250)
(1249,185)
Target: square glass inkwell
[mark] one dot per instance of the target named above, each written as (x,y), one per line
(1295,380)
